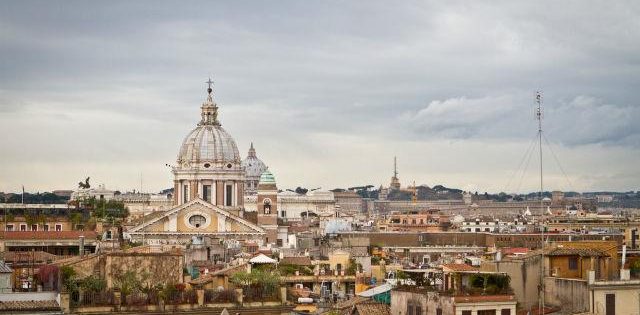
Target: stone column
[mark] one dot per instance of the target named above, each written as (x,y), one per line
(200,295)
(239,296)
(283,295)
(117,300)
(193,185)
(176,192)
(65,301)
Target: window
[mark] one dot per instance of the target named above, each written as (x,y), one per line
(505,311)
(229,194)
(438,311)
(267,206)
(197,220)
(58,227)
(573,263)
(109,235)
(610,302)
(206,193)
(283,214)
(9,227)
(466,312)
(410,309)
(413,221)
(34,227)
(23,227)
(46,227)
(279,242)
(487,312)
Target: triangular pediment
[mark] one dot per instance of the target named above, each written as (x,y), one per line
(197,216)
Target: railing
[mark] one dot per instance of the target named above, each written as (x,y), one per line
(182,297)
(260,294)
(215,296)
(89,298)
(140,298)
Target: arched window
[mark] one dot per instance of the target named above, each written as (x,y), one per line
(267,205)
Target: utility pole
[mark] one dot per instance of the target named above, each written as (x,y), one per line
(538,114)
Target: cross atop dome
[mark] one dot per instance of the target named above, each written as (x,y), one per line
(209,108)
(210,83)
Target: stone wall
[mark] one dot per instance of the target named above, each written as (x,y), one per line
(571,295)
(525,277)
(155,268)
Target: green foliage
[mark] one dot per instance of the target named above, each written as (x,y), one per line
(490,283)
(241,278)
(268,280)
(635,267)
(353,267)
(69,281)
(128,282)
(106,209)
(75,218)
(37,198)
(93,284)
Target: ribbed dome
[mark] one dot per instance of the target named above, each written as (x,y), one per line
(209,143)
(254,167)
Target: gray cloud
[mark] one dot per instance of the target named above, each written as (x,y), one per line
(318,86)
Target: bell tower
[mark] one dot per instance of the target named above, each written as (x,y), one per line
(268,206)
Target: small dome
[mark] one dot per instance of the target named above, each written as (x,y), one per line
(208,143)
(254,167)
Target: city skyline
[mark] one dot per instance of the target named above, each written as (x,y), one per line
(328,95)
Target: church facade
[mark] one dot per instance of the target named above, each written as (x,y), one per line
(209,191)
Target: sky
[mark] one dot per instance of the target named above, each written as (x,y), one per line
(328,91)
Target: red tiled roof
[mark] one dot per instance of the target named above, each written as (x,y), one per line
(458,267)
(582,252)
(29,306)
(36,256)
(47,235)
(373,309)
(484,298)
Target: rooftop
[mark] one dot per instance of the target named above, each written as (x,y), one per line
(47,235)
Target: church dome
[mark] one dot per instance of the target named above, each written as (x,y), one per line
(209,143)
(254,167)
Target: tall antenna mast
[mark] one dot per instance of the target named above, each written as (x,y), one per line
(539,116)
(395,167)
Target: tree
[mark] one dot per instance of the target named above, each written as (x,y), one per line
(127,282)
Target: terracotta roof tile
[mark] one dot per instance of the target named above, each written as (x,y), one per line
(373,309)
(28,257)
(583,252)
(29,306)
(458,267)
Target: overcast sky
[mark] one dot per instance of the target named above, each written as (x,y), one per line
(328,91)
